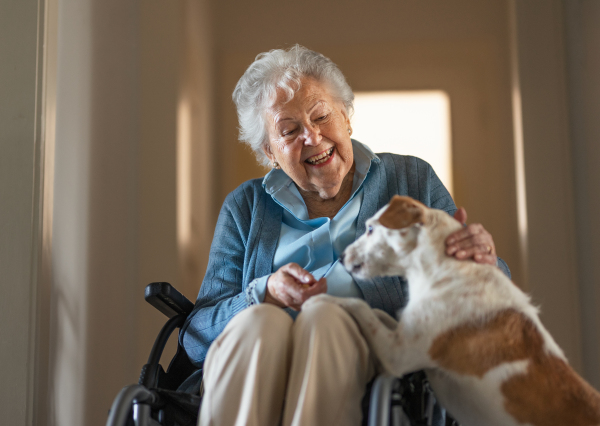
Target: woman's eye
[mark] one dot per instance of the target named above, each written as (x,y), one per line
(288,132)
(369,230)
(321,118)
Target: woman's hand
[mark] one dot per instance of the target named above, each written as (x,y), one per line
(471,242)
(291,286)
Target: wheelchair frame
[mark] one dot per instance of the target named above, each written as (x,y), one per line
(155,401)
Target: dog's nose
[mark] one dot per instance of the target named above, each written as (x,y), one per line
(356,267)
(342,258)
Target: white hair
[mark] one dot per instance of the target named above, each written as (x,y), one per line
(282,69)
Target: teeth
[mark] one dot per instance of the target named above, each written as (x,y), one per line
(321,158)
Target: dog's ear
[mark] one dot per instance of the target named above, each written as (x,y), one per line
(402,212)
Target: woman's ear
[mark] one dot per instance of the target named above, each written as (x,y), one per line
(347,118)
(267,150)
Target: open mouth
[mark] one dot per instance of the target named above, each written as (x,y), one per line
(320,158)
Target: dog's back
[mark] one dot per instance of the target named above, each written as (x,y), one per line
(489,358)
(499,353)
(505,361)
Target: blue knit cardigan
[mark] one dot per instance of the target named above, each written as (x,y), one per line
(246,237)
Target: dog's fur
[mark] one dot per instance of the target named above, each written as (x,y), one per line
(489,359)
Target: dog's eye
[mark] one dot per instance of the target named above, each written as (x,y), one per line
(369,230)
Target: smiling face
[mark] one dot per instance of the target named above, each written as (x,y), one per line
(309,137)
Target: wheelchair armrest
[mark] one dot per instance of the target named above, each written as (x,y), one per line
(165,298)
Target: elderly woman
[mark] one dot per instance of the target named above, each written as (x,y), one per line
(277,242)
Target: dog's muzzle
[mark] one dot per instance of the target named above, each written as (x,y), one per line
(350,268)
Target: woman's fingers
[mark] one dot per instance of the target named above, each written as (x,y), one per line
(464,233)
(471,242)
(298,273)
(318,287)
(486,258)
(472,251)
(294,296)
(479,253)
(461,215)
(483,240)
(291,286)
(300,294)
(469,248)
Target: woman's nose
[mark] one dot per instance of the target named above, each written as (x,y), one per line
(312,135)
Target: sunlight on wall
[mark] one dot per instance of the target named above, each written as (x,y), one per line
(184,179)
(184,148)
(407,122)
(519,147)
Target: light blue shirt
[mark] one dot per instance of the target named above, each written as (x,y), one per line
(315,244)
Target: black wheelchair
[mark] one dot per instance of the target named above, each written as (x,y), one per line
(155,401)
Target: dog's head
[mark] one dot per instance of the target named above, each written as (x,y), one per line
(391,236)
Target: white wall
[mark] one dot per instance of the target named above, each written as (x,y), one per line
(104,81)
(96,208)
(120,73)
(558,45)
(21,154)
(583,66)
(552,252)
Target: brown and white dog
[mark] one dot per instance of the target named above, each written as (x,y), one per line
(488,357)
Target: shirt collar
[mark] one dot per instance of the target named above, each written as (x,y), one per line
(281,187)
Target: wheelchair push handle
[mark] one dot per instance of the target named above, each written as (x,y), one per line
(164,297)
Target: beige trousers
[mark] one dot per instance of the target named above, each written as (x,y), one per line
(265,369)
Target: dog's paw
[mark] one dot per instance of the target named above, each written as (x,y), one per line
(353,304)
(387,320)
